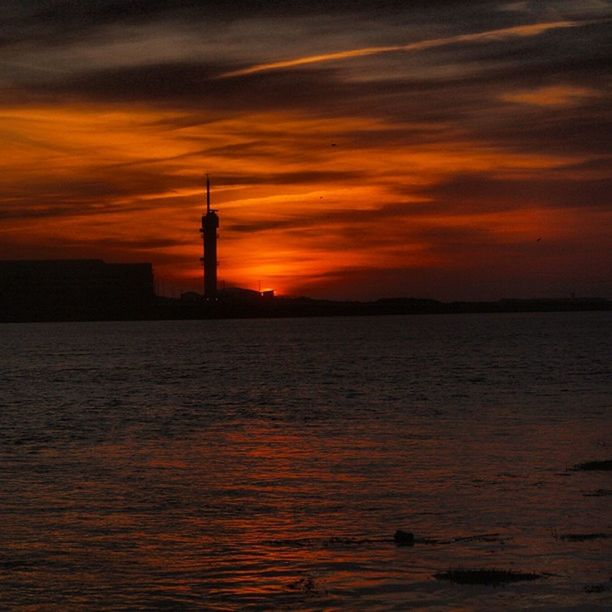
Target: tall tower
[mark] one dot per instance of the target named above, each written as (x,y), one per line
(210,224)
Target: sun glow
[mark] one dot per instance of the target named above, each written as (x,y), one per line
(277,231)
(392,149)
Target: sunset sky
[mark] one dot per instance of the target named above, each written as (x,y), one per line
(443,149)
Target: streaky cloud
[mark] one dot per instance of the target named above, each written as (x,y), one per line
(520,31)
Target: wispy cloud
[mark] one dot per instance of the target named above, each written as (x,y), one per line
(430,167)
(553,96)
(500,34)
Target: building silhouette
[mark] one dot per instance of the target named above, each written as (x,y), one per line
(210,224)
(74,289)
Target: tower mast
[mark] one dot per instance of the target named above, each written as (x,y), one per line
(210,224)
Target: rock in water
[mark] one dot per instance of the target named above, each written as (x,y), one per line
(485,576)
(591,466)
(403,538)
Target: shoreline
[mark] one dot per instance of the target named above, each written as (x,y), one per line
(163,308)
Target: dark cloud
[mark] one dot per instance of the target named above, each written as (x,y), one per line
(600,165)
(54,22)
(585,46)
(462,194)
(191,85)
(473,103)
(584,129)
(101,192)
(303,177)
(352,217)
(123,188)
(477,192)
(146,244)
(119,250)
(469,100)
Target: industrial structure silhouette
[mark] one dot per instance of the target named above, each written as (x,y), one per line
(75,289)
(210,225)
(91,289)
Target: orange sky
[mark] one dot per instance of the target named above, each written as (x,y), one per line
(352,155)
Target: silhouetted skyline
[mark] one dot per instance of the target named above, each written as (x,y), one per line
(449,150)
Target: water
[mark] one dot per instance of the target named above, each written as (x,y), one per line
(266,464)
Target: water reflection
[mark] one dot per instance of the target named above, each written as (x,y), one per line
(273,499)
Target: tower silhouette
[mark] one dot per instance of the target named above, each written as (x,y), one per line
(210,224)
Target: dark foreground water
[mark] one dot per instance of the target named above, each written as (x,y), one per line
(266,464)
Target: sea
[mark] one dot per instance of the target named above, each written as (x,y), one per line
(266,464)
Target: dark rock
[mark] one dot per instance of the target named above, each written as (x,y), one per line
(583,537)
(403,538)
(485,576)
(591,466)
(305,584)
(599,493)
(595,588)
(485,537)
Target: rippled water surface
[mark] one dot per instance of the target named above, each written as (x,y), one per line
(266,464)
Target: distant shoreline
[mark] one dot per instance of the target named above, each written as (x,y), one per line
(163,308)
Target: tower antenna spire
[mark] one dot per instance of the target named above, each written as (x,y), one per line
(210,224)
